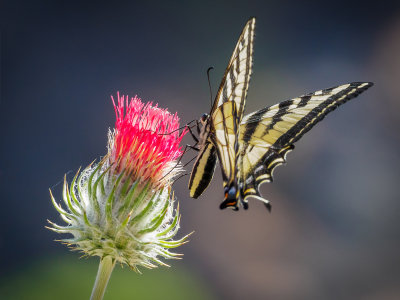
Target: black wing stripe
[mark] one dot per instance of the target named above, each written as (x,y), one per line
(249,61)
(232,79)
(304,100)
(251,125)
(283,108)
(225,93)
(225,176)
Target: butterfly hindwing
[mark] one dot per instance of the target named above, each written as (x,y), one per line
(267,135)
(203,170)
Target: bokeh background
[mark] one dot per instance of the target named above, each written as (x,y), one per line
(334,230)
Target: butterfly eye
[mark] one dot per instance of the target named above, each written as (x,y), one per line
(204,118)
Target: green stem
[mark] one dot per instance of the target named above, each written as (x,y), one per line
(106,267)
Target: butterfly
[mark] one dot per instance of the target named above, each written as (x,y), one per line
(249,148)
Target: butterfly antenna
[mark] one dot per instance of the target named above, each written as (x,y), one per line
(209,84)
(178,129)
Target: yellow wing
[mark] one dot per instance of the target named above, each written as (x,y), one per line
(235,83)
(267,135)
(224,135)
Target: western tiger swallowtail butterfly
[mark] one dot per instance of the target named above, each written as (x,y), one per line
(249,148)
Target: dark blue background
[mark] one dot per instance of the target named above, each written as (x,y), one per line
(334,231)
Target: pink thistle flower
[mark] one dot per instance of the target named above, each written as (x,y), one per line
(122,208)
(145,141)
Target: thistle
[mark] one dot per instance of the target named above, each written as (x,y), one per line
(122,208)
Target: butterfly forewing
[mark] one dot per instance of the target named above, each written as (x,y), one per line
(235,82)
(268,134)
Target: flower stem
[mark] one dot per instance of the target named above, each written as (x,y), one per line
(106,267)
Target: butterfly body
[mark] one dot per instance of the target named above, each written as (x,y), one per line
(204,166)
(249,148)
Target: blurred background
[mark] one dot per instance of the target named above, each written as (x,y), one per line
(334,229)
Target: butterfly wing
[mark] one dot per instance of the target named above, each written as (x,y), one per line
(225,124)
(233,89)
(267,135)
(203,170)
(235,82)
(228,110)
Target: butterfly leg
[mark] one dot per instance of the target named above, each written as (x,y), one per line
(192,134)
(180,157)
(198,127)
(188,146)
(185,150)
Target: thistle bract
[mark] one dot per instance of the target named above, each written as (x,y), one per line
(123,206)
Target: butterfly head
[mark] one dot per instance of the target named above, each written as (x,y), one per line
(204,118)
